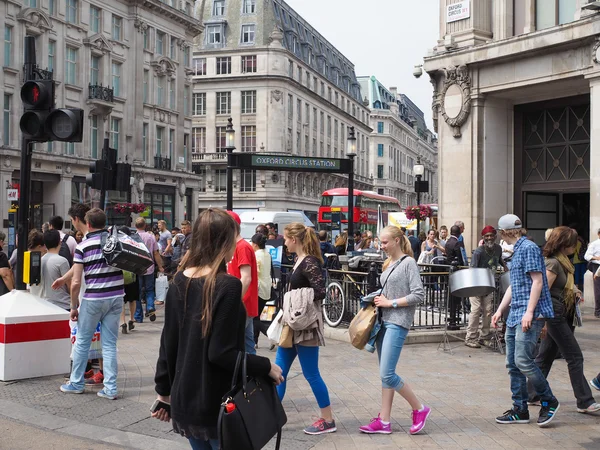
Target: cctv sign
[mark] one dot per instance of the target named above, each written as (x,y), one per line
(458,11)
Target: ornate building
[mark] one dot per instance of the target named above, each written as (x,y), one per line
(516,102)
(287,89)
(399,137)
(127,64)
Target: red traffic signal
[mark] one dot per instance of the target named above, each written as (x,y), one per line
(38,95)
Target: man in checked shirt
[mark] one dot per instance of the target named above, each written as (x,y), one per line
(530,303)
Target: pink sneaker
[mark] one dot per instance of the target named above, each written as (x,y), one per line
(376,427)
(420,419)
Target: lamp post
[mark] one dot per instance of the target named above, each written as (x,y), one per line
(230,147)
(351,154)
(418,170)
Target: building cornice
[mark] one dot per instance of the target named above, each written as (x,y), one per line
(192,25)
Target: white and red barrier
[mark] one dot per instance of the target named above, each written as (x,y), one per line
(35,337)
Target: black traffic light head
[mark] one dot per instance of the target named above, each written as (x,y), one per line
(123,177)
(65,124)
(95,179)
(38,101)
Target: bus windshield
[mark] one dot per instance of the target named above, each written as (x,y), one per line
(336,200)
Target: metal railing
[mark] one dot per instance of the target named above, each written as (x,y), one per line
(162,163)
(99,92)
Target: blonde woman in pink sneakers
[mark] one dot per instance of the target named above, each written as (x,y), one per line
(402,292)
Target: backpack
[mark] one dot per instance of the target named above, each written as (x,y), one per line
(65,251)
(177,244)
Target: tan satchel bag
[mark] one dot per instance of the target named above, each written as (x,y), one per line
(287,337)
(361,326)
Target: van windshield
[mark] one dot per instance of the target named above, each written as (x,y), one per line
(247,230)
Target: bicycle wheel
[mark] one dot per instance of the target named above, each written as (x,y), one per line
(334,304)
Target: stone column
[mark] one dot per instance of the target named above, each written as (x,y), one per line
(502,19)
(530,16)
(595,155)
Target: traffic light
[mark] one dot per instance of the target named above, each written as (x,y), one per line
(123,177)
(38,101)
(95,179)
(66,124)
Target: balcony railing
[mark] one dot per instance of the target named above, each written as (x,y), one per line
(99,92)
(209,157)
(162,163)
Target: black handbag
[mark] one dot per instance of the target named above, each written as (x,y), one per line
(251,413)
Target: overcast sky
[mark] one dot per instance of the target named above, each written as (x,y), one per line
(385,38)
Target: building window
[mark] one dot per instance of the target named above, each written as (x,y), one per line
(173,48)
(249,138)
(248,102)
(72,7)
(291,69)
(247,180)
(146,85)
(380,127)
(146,36)
(322,122)
(160,91)
(51,54)
(171,85)
(186,101)
(95,71)
(199,140)
(290,107)
(221,142)
(52,9)
(223,102)
(218,8)
(171,144)
(159,140)
(95,19)
(186,56)
(249,64)
(199,66)
(248,6)
(220,180)
(94,137)
(199,104)
(71,66)
(315,119)
(214,34)
(115,126)
(248,33)
(144,142)
(117,28)
(116,79)
(380,171)
(549,13)
(380,150)
(6,120)
(160,42)
(8,38)
(69,148)
(224,65)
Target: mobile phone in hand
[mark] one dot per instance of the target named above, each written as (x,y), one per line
(158,404)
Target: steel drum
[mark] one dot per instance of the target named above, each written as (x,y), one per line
(472,282)
(504,282)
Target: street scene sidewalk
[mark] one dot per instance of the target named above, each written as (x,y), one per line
(466,391)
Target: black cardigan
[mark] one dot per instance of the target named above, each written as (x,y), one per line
(197,371)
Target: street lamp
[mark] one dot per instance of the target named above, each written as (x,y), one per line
(351,154)
(418,170)
(230,147)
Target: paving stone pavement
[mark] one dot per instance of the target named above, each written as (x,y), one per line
(465,390)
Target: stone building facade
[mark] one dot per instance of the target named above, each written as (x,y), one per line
(287,89)
(399,137)
(128,65)
(516,103)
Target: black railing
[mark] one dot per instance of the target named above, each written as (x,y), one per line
(99,92)
(162,163)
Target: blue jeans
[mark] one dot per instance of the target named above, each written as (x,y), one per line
(197,444)
(108,313)
(520,362)
(146,283)
(309,361)
(249,336)
(390,341)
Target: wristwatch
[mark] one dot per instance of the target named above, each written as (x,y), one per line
(394,303)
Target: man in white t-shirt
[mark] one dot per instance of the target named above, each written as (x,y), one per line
(53,266)
(57,223)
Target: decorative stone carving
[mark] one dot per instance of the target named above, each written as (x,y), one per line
(276,95)
(164,66)
(275,178)
(455,98)
(68,169)
(7,162)
(140,184)
(140,25)
(35,20)
(596,51)
(435,102)
(181,187)
(98,42)
(276,38)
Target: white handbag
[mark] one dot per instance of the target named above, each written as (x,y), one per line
(276,327)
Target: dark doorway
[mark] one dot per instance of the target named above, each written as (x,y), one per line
(576,212)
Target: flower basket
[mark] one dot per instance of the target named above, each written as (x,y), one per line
(420,212)
(128,208)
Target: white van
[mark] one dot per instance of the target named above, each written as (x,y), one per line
(252,219)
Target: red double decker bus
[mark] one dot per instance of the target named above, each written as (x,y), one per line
(365,208)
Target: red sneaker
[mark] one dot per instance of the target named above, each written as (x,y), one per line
(88,374)
(98,378)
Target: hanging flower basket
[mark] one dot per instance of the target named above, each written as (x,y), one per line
(128,208)
(420,212)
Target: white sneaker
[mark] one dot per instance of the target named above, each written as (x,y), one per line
(594,407)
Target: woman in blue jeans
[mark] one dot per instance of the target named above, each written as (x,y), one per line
(402,292)
(307,273)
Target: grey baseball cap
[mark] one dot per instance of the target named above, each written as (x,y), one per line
(509,222)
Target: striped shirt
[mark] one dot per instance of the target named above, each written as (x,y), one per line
(102,281)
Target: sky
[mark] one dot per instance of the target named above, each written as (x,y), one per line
(385,38)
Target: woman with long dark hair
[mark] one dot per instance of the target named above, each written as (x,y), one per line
(203,333)
(307,273)
(560,330)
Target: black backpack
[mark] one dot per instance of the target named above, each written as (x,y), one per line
(65,251)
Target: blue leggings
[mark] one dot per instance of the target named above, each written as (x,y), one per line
(309,361)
